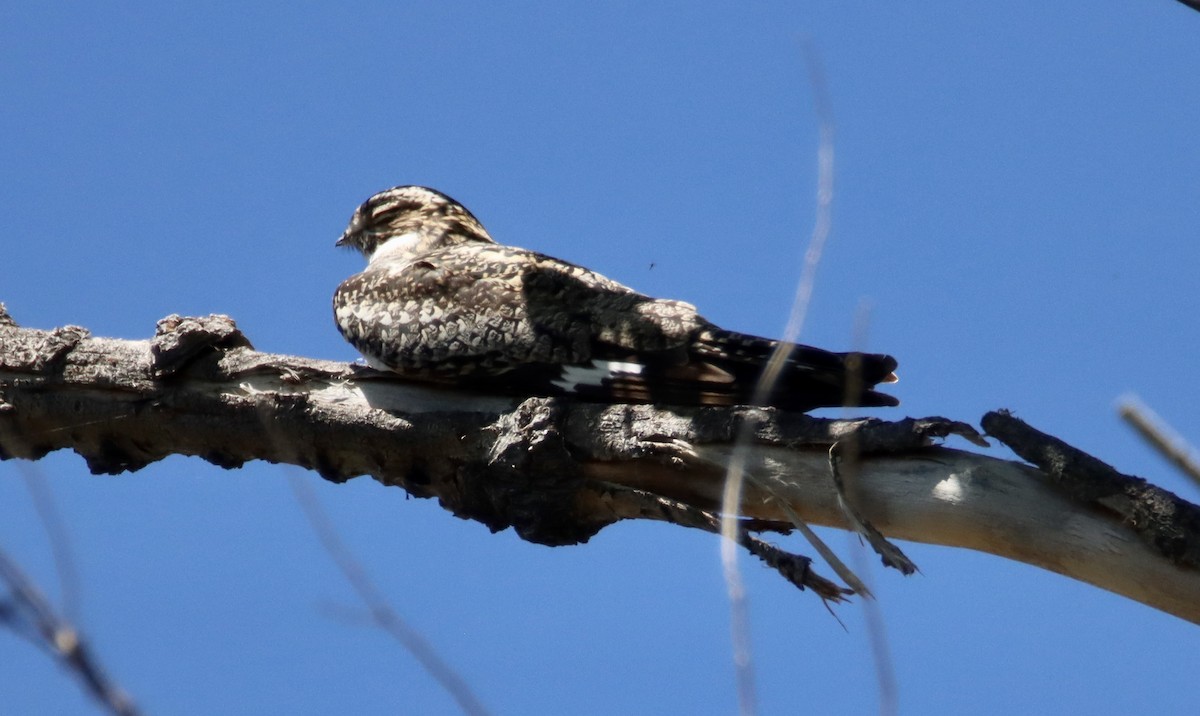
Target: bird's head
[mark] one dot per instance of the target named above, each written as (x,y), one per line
(407,221)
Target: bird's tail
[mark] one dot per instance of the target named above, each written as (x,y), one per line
(718,367)
(791,376)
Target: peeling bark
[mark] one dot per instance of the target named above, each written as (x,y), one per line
(558,471)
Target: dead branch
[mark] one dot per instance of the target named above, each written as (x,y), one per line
(558,471)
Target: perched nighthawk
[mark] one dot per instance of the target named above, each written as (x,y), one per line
(441,301)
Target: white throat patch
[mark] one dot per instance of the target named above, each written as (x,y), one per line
(396,248)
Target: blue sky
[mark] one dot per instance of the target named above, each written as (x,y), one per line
(1017,196)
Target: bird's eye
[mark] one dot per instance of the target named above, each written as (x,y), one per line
(382,216)
(387,213)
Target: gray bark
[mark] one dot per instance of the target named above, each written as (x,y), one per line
(558,471)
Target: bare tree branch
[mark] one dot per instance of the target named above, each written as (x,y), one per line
(558,471)
(1158,517)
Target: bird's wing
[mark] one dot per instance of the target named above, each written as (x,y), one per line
(511,320)
(618,321)
(488,309)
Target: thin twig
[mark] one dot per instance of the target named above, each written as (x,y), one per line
(60,543)
(29,615)
(848,451)
(381,612)
(739,612)
(881,652)
(1161,437)
(735,476)
(847,575)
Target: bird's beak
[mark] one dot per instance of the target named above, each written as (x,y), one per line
(352,232)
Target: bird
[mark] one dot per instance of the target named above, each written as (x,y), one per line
(441,302)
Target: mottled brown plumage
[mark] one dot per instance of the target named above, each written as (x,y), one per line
(441,301)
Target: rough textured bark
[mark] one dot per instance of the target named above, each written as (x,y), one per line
(559,471)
